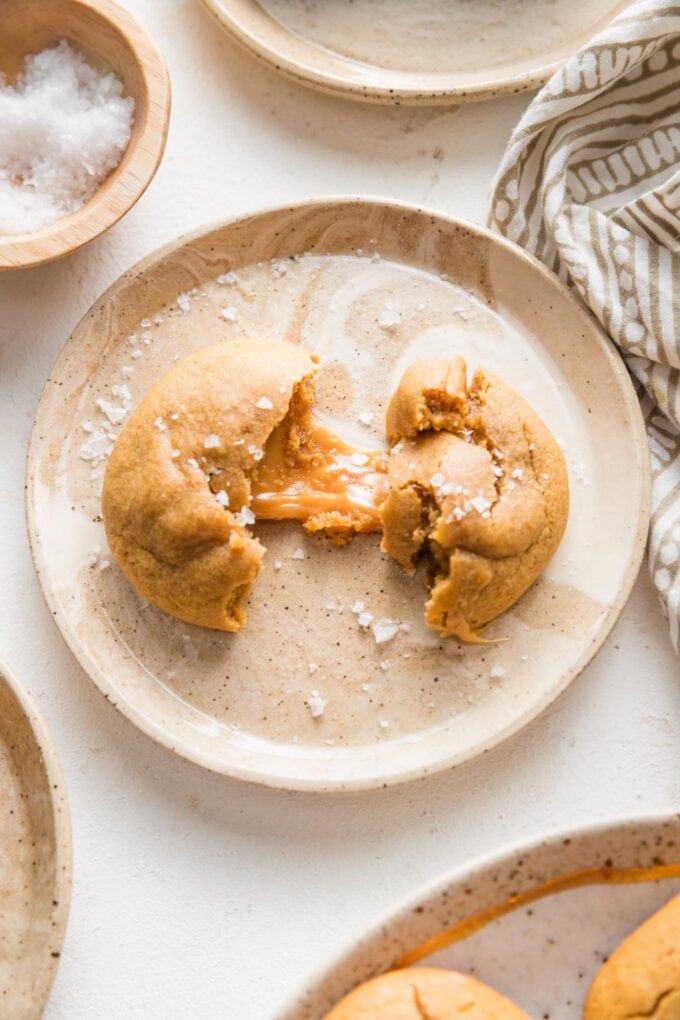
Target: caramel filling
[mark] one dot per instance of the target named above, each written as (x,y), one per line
(307,471)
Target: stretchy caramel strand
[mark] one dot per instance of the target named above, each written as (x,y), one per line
(321,479)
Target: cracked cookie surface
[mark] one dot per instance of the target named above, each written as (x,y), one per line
(425,993)
(477,489)
(641,979)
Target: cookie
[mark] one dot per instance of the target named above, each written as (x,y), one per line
(418,993)
(478,490)
(642,977)
(177,487)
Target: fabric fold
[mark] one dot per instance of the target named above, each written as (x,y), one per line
(590,185)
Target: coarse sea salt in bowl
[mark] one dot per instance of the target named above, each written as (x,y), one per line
(111,42)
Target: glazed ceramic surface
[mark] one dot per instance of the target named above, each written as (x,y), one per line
(541,948)
(322,274)
(435,51)
(35,856)
(111,40)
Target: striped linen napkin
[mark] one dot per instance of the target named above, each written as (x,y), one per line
(590,185)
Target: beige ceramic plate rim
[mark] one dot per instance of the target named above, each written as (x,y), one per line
(107,205)
(434,893)
(254,773)
(429,92)
(62,829)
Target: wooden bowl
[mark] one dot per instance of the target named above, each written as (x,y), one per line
(35,856)
(111,40)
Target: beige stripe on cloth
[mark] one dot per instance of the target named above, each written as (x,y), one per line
(590,185)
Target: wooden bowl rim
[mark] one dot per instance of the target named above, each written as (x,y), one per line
(111,201)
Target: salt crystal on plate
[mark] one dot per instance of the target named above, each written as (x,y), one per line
(313,666)
(384,630)
(228,279)
(277,564)
(317,704)
(389,318)
(229,314)
(127,371)
(366,418)
(364,619)
(299,554)
(496,672)
(211,442)
(183,303)
(96,448)
(113,412)
(136,354)
(359,459)
(358,607)
(63,127)
(265,404)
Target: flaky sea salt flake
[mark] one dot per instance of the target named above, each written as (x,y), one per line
(384,630)
(245,516)
(317,704)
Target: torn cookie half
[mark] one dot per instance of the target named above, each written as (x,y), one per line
(224,438)
(477,489)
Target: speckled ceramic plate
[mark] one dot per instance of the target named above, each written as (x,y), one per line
(35,856)
(535,921)
(431,52)
(322,274)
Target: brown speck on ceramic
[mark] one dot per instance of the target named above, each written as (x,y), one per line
(234,703)
(35,856)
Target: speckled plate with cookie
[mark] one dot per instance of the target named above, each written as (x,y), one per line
(535,921)
(370,286)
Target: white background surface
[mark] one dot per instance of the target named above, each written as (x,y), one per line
(199,897)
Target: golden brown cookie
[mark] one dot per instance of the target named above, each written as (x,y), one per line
(477,488)
(642,977)
(425,993)
(178,483)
